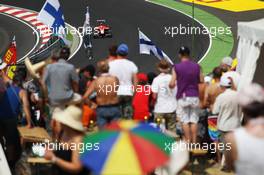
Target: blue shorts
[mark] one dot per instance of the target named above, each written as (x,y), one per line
(107,113)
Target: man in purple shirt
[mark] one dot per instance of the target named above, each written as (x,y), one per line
(187,75)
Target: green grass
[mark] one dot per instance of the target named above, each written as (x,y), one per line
(222,44)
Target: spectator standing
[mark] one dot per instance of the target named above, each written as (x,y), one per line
(165,106)
(213,90)
(211,93)
(86,77)
(187,74)
(60,81)
(203,112)
(226,66)
(246,155)
(141,98)
(112,53)
(227,109)
(151,76)
(13,99)
(126,72)
(105,86)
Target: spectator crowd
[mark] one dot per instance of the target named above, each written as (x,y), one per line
(68,102)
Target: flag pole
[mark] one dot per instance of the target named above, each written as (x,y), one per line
(192,50)
(88,43)
(138,40)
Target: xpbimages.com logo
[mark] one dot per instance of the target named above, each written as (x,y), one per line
(211,148)
(108,89)
(173,31)
(73,31)
(55,146)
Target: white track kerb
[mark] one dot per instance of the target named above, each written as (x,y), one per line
(34,31)
(210,36)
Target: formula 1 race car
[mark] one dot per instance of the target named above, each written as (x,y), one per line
(102,30)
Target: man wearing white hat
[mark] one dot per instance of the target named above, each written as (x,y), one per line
(226,108)
(228,111)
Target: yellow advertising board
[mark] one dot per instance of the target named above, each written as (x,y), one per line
(231,5)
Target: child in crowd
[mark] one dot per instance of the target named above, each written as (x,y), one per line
(141,98)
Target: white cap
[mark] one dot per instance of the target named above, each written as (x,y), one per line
(225,81)
(235,77)
(227,60)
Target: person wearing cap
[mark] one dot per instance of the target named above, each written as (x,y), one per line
(229,113)
(65,157)
(164,96)
(187,75)
(126,72)
(227,110)
(105,86)
(141,98)
(226,66)
(246,154)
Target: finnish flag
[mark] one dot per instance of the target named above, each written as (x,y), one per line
(51,15)
(146,46)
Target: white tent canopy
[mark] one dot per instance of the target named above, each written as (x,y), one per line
(251,38)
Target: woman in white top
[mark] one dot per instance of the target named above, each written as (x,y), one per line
(246,154)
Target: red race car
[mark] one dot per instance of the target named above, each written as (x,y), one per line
(102,30)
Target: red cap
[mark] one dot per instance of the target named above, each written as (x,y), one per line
(142,77)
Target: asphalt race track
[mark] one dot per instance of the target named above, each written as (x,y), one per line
(24,35)
(125,16)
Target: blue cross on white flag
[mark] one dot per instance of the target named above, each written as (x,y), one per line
(51,15)
(146,46)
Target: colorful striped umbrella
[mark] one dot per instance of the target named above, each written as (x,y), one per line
(127,148)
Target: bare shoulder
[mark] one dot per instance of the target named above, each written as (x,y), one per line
(115,78)
(22,93)
(78,139)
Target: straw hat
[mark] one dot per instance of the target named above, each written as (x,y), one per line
(70,117)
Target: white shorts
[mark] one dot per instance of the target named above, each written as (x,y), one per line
(188,109)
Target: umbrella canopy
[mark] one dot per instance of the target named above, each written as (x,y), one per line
(126,147)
